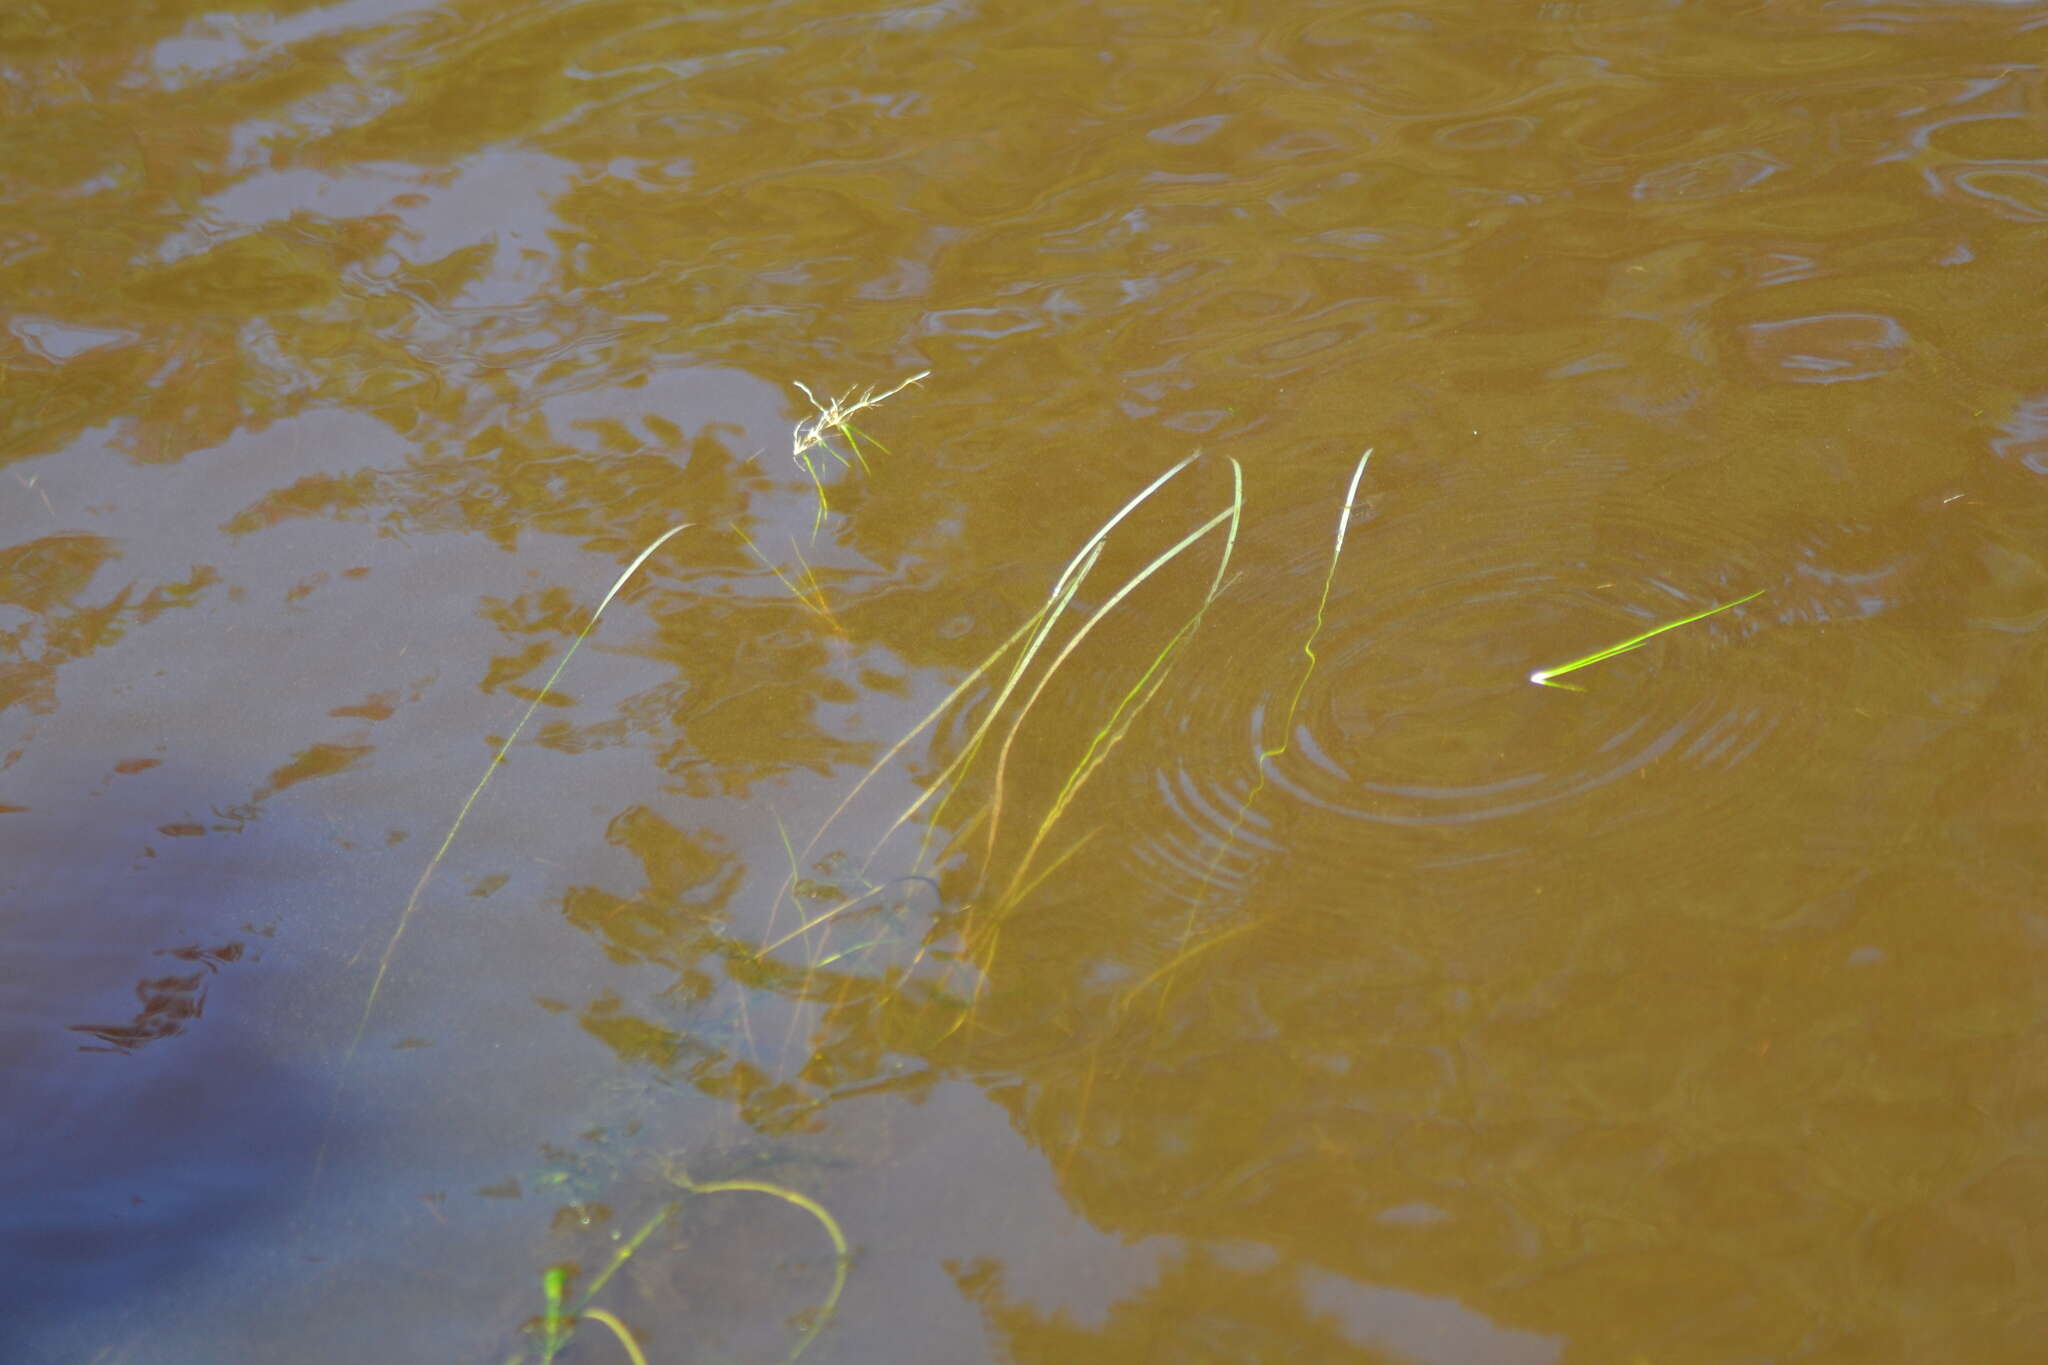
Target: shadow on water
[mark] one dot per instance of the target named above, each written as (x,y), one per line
(136,1187)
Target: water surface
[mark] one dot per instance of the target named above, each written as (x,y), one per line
(1363,1002)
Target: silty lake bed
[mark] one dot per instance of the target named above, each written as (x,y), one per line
(1157,946)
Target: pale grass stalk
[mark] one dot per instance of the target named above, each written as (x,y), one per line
(815,432)
(412,902)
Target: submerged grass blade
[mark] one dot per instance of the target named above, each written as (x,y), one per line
(813,598)
(842,1253)
(1308,646)
(419,887)
(947,780)
(1164,974)
(1081,633)
(1135,699)
(930,718)
(1544,677)
(1037,627)
(820,919)
(633,1351)
(625,1253)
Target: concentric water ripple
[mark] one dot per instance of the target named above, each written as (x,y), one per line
(1419,714)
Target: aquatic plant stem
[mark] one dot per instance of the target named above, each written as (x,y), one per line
(1038,626)
(419,887)
(557,1326)
(1544,677)
(554,1326)
(815,432)
(1137,697)
(1165,972)
(842,1252)
(632,1347)
(1073,642)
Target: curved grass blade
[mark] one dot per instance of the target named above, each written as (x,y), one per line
(947,779)
(842,1253)
(1308,646)
(419,888)
(633,1351)
(1135,699)
(1037,627)
(1164,973)
(1543,677)
(965,685)
(1095,618)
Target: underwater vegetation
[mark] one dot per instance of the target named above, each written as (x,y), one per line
(1011,846)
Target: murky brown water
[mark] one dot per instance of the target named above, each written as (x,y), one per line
(1384,1009)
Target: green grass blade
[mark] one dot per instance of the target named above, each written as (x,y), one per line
(842,1253)
(1095,618)
(946,781)
(1308,646)
(1186,950)
(412,902)
(448,841)
(619,1330)
(1543,677)
(1038,627)
(1129,705)
(930,718)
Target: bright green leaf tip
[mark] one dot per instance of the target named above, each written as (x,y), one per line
(1542,677)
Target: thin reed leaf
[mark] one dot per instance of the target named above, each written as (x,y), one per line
(842,1253)
(947,778)
(812,599)
(1543,677)
(1065,856)
(791,882)
(1074,642)
(1063,590)
(1162,975)
(1322,607)
(1267,754)
(419,887)
(624,1253)
(822,918)
(817,589)
(1135,699)
(632,1347)
(965,685)
(862,432)
(851,434)
(448,841)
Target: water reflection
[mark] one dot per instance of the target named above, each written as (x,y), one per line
(1374,1005)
